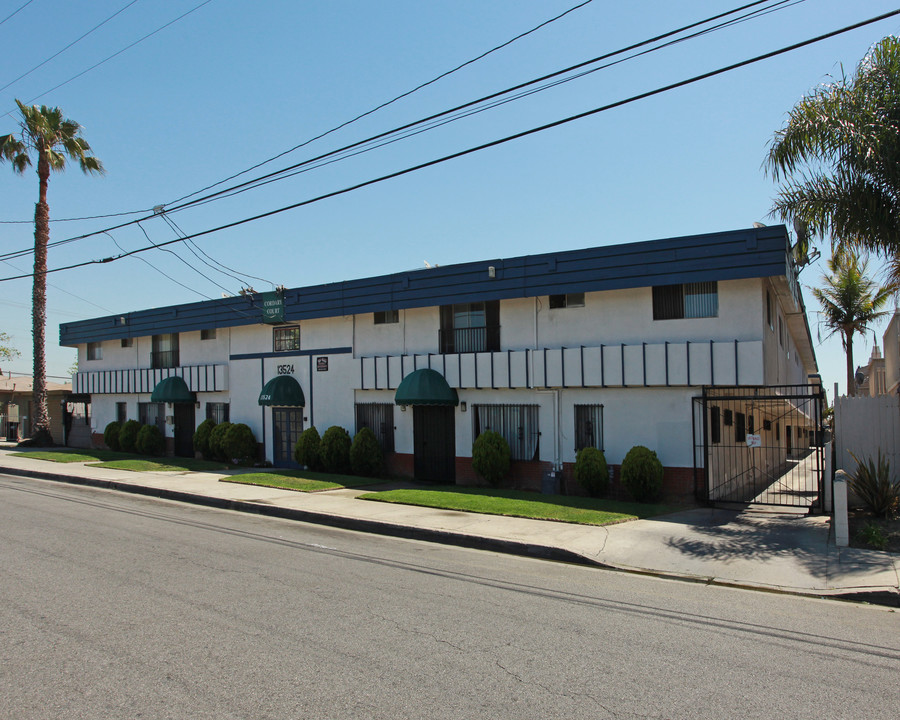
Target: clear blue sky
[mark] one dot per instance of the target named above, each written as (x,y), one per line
(236,82)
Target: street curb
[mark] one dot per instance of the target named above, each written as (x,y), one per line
(375,527)
(884,597)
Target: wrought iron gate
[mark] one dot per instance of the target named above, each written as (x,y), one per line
(760,445)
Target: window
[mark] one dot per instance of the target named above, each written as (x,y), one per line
(780,332)
(379,418)
(218,411)
(153,414)
(740,428)
(286,339)
(470,327)
(689,300)
(567,300)
(728,421)
(127,342)
(588,426)
(164,353)
(121,412)
(769,310)
(94,351)
(517,423)
(387,317)
(208,334)
(751,426)
(715,424)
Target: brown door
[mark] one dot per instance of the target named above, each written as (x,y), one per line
(434,443)
(184,429)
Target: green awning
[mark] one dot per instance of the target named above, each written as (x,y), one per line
(282,390)
(172,390)
(425,387)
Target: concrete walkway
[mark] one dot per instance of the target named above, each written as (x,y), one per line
(784,553)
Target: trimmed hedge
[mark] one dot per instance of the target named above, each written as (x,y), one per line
(150,441)
(334,451)
(240,444)
(201,438)
(111,435)
(307,447)
(128,436)
(591,471)
(366,458)
(642,474)
(490,457)
(217,441)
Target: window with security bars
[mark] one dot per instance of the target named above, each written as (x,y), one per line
(517,423)
(121,412)
(686,300)
(218,411)
(379,418)
(285,339)
(153,414)
(588,427)
(715,424)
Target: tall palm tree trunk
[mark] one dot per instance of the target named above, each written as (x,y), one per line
(40,434)
(851,376)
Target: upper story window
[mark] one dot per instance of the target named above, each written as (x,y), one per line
(285,339)
(164,353)
(686,300)
(568,300)
(470,327)
(94,351)
(769,310)
(208,334)
(386,317)
(127,342)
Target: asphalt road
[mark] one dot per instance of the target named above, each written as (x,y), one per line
(120,606)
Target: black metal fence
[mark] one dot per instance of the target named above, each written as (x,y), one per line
(760,445)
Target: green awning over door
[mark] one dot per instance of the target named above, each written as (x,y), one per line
(425,387)
(283,391)
(172,390)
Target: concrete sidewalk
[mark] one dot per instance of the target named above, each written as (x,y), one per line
(748,549)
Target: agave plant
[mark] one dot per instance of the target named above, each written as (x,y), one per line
(873,484)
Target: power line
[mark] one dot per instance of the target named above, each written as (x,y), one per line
(115,54)
(431,118)
(388,102)
(74,42)
(16,11)
(493,143)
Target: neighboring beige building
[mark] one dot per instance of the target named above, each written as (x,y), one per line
(870,378)
(15,407)
(891,345)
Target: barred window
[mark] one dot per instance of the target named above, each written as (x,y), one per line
(218,411)
(286,339)
(153,414)
(121,412)
(740,427)
(715,424)
(379,418)
(588,427)
(517,423)
(688,300)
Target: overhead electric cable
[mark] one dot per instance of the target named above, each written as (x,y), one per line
(16,11)
(493,143)
(430,118)
(74,42)
(115,54)
(388,102)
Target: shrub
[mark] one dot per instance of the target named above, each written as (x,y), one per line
(150,441)
(874,485)
(240,443)
(642,474)
(334,452)
(365,454)
(591,471)
(306,450)
(111,435)
(217,441)
(872,535)
(490,457)
(128,436)
(201,438)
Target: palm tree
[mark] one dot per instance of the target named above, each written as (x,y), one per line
(52,138)
(839,154)
(851,302)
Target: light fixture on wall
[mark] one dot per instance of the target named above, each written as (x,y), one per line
(462,406)
(403,408)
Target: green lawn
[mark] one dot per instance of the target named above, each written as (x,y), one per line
(302,480)
(125,461)
(585,511)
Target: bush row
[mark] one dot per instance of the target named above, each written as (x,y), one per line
(641,473)
(334,452)
(226,442)
(132,437)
